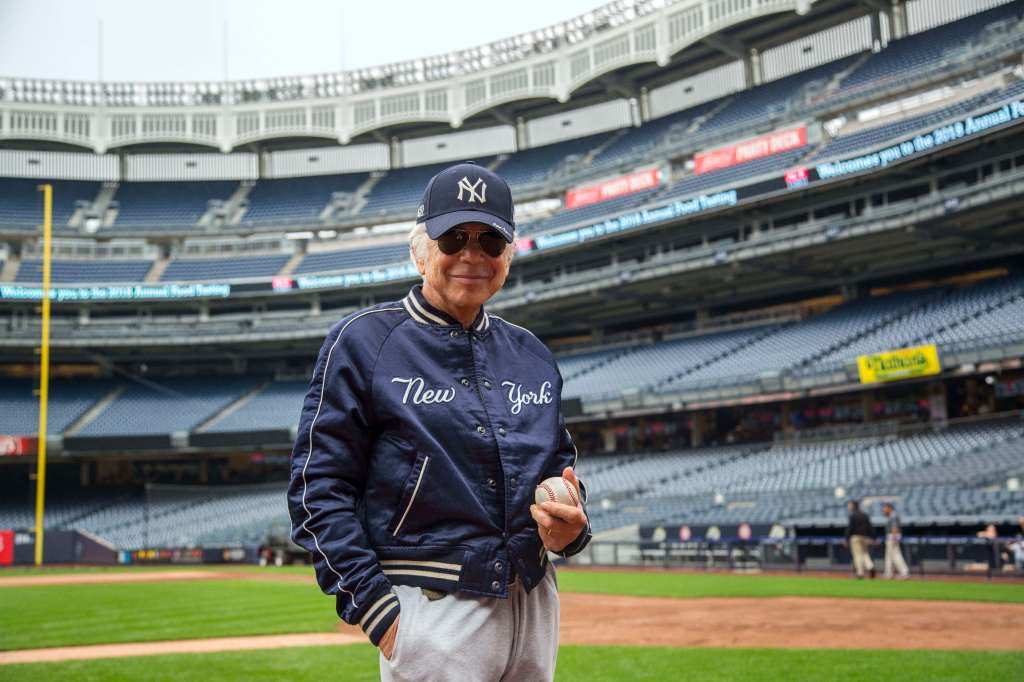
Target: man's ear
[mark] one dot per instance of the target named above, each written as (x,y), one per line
(419,262)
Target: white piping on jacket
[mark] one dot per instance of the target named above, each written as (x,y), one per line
(419,479)
(309,454)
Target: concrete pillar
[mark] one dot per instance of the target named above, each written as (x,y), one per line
(938,405)
(395,153)
(898,20)
(752,68)
(608,439)
(636,118)
(522,134)
(697,429)
(645,105)
(748,72)
(876,31)
(702,316)
(866,401)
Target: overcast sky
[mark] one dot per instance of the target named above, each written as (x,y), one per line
(146,40)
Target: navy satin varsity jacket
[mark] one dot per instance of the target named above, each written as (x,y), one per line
(419,447)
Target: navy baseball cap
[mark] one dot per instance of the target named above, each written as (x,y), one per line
(467,193)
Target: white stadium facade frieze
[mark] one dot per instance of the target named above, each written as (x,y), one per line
(447,89)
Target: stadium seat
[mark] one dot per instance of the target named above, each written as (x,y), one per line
(166,204)
(297,200)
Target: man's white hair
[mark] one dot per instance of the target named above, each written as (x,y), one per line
(420,247)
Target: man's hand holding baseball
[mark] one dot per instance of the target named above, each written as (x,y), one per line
(559,524)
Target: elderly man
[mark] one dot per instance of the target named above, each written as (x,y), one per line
(427,426)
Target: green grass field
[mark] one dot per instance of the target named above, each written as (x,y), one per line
(61,615)
(693,585)
(358,663)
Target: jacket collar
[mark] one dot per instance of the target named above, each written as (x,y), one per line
(420,310)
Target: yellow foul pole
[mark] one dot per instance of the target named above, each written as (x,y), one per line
(44,369)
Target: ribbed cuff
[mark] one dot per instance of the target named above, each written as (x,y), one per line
(379,617)
(577,545)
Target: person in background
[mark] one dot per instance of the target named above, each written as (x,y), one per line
(1016,548)
(860,536)
(893,536)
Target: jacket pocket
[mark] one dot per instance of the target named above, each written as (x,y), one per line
(411,490)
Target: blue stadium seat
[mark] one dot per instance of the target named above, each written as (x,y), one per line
(68,400)
(533,165)
(374,256)
(636,143)
(932,49)
(729,178)
(220,269)
(297,200)
(872,324)
(400,190)
(85,271)
(276,406)
(170,204)
(173,405)
(762,104)
(21,202)
(879,136)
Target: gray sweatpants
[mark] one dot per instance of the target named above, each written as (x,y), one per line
(476,638)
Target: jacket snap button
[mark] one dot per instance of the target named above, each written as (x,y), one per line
(491,483)
(487,384)
(480,429)
(453,333)
(495,586)
(498,566)
(502,430)
(465,382)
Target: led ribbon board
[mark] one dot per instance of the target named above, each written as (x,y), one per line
(925,142)
(128,292)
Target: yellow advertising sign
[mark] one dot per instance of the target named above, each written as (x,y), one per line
(893,365)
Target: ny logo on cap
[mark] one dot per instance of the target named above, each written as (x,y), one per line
(471,189)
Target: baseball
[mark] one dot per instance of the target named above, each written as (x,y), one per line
(557,489)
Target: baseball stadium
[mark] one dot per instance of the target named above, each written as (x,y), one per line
(771,251)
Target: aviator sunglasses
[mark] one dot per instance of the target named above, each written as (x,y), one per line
(455,240)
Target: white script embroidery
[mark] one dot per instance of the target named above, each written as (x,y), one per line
(518,397)
(422,396)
